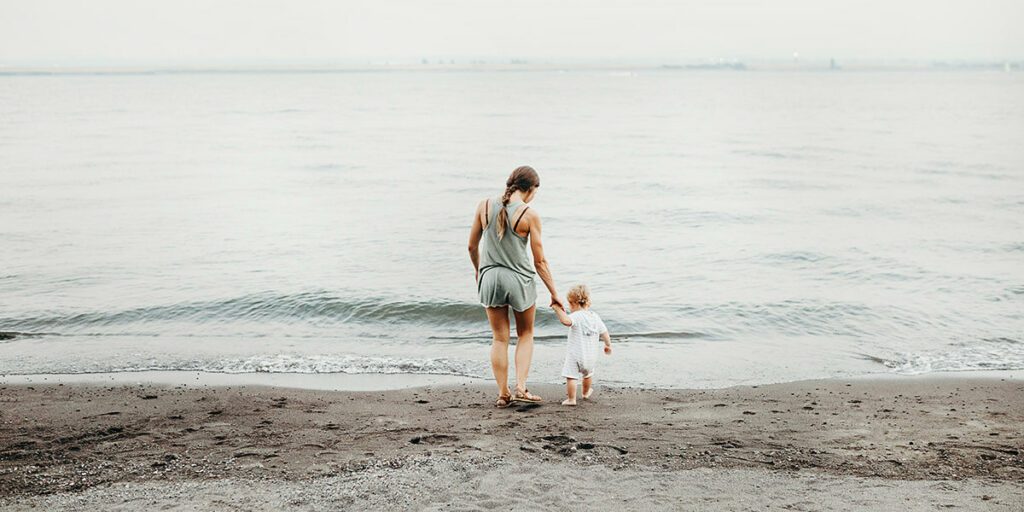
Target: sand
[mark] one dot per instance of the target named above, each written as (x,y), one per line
(914,444)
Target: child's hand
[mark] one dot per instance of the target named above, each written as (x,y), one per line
(608,350)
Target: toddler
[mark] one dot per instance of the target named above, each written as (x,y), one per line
(585,329)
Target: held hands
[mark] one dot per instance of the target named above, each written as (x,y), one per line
(556,303)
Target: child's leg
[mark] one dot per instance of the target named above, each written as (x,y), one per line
(588,387)
(570,392)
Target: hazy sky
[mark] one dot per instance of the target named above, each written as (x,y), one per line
(95,31)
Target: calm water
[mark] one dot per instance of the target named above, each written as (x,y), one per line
(734,227)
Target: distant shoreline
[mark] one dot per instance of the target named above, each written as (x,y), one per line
(713,66)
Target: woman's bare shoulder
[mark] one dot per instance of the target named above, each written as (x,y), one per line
(531,215)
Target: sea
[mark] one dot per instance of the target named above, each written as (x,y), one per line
(734,227)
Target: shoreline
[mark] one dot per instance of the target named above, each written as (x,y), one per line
(303,381)
(113,441)
(397,381)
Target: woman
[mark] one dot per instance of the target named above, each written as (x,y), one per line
(504,276)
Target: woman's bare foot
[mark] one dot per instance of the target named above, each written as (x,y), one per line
(568,402)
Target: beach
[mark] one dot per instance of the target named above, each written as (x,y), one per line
(235,272)
(916,443)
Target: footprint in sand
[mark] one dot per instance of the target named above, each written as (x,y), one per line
(526,407)
(567,446)
(433,439)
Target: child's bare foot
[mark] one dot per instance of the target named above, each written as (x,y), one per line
(588,393)
(568,402)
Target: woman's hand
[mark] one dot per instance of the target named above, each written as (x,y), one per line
(555,301)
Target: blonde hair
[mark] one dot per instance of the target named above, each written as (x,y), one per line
(579,294)
(524,179)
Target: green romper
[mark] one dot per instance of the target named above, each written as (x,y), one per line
(506,274)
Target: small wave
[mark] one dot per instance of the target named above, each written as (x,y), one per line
(988,354)
(767,154)
(700,218)
(287,363)
(805,317)
(10,335)
(788,184)
(795,256)
(843,212)
(328,167)
(616,335)
(312,307)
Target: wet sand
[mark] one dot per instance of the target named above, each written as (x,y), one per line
(947,442)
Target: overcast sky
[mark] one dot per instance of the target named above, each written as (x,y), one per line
(97,31)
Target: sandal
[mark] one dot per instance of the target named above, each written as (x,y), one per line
(526,396)
(503,401)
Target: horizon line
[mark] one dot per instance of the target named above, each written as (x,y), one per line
(10,69)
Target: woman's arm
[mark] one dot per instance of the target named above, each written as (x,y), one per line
(539,262)
(562,316)
(475,233)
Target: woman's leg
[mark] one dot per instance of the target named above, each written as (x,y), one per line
(524,346)
(498,317)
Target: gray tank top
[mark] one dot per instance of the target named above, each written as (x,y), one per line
(510,251)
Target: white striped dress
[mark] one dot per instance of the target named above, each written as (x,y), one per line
(583,345)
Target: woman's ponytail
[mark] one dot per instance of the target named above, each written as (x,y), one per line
(503,211)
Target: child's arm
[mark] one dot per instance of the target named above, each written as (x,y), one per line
(607,338)
(562,316)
